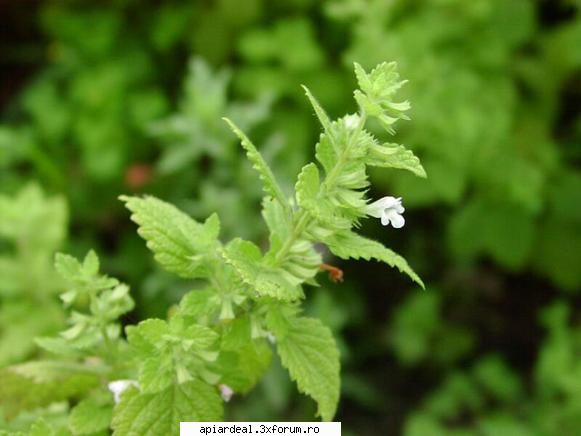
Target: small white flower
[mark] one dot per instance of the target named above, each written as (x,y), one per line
(389,209)
(226,392)
(117,387)
(352,121)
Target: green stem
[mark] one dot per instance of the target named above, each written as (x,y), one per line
(302,220)
(109,349)
(330,179)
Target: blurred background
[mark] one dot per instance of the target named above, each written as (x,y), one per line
(102,98)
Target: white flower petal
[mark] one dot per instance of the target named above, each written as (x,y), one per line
(384,219)
(376,208)
(397,221)
(226,392)
(117,388)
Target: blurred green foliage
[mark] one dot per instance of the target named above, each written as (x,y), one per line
(32,227)
(126,96)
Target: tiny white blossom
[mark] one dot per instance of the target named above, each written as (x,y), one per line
(389,209)
(226,392)
(352,121)
(117,387)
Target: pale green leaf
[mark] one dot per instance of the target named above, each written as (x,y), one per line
(321,114)
(310,354)
(242,369)
(278,319)
(277,220)
(377,91)
(66,265)
(200,303)
(351,245)
(246,259)
(157,372)
(90,416)
(243,360)
(167,352)
(144,337)
(91,263)
(395,156)
(161,413)
(22,215)
(307,186)
(270,184)
(30,386)
(325,152)
(42,428)
(83,279)
(179,243)
(21,321)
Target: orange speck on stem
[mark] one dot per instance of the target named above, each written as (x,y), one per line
(335,274)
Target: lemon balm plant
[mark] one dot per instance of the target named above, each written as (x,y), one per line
(219,340)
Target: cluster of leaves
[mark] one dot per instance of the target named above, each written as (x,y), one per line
(28,282)
(486,113)
(250,294)
(196,132)
(490,82)
(83,358)
(220,332)
(97,116)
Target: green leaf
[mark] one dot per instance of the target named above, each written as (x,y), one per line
(156,369)
(157,372)
(91,263)
(277,220)
(270,184)
(29,210)
(112,303)
(326,153)
(179,243)
(90,416)
(200,304)
(42,428)
(67,266)
(39,384)
(243,360)
(242,369)
(350,245)
(278,319)
(267,281)
(310,354)
(307,186)
(21,321)
(161,413)
(321,114)
(170,352)
(377,91)
(57,345)
(394,156)
(145,335)
(83,279)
